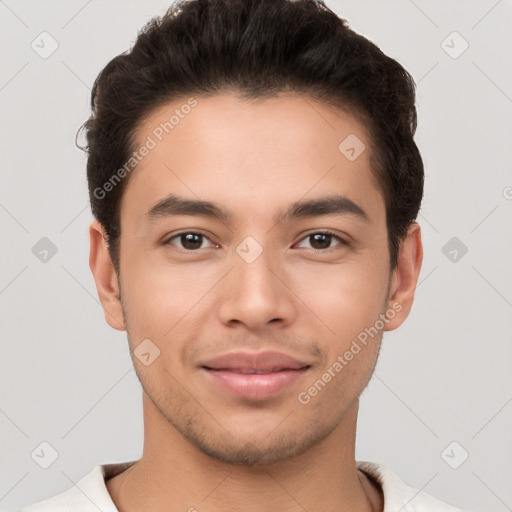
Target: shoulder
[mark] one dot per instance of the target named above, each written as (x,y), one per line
(400,496)
(88,495)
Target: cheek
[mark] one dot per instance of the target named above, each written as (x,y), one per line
(344,299)
(159,296)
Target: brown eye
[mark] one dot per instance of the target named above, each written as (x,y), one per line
(322,240)
(189,241)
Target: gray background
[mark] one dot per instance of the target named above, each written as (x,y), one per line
(444,376)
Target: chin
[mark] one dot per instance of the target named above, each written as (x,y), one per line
(274,447)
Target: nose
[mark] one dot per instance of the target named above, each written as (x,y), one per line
(257,294)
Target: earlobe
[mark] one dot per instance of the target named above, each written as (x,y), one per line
(405,277)
(105,277)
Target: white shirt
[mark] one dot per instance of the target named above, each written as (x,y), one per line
(91,495)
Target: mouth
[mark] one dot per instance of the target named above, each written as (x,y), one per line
(254,375)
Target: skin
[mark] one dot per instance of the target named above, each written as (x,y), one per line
(203,447)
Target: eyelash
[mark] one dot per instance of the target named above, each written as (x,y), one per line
(342,241)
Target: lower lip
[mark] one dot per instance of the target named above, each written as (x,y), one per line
(255,386)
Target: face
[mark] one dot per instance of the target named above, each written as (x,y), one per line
(251,273)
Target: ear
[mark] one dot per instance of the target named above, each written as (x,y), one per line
(405,277)
(105,276)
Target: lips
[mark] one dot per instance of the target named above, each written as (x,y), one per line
(248,363)
(254,376)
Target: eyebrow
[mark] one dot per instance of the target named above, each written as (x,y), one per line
(330,205)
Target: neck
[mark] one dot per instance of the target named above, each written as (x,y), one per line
(175,475)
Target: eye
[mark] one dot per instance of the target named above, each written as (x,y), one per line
(321,240)
(190,240)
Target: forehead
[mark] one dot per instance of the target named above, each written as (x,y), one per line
(251,155)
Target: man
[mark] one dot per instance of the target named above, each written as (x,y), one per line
(255,184)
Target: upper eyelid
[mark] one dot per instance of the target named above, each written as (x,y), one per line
(187,232)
